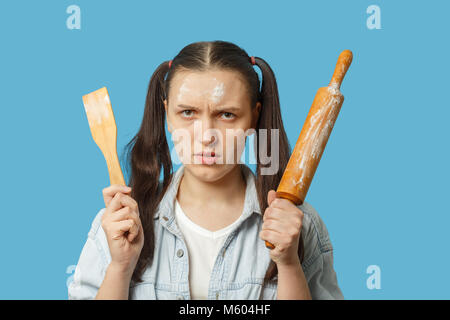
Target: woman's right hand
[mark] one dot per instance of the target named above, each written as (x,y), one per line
(123,228)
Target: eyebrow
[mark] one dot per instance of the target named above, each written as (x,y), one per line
(230,108)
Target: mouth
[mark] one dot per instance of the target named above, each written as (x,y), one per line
(206,154)
(208,158)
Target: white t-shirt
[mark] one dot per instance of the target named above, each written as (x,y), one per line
(203,246)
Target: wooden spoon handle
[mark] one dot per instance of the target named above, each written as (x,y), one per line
(115,172)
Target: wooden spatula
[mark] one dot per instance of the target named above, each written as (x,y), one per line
(104,131)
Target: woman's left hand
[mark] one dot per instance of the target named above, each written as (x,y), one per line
(282,223)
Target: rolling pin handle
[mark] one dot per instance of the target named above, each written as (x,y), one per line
(293,199)
(342,65)
(269,245)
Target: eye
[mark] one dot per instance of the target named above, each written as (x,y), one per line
(228,115)
(187,115)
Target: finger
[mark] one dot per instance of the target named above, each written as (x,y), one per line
(273,213)
(271,236)
(285,228)
(109,192)
(134,233)
(114,204)
(114,188)
(107,199)
(276,225)
(120,227)
(282,204)
(271,196)
(122,200)
(128,201)
(124,214)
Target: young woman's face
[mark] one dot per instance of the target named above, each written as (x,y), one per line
(208,112)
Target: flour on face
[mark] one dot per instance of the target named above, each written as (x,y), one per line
(184,89)
(213,94)
(217,92)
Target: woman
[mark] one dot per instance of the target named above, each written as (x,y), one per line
(200,232)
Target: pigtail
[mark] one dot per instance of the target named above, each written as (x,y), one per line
(149,153)
(270,118)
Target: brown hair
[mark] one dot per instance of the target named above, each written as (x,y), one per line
(148,152)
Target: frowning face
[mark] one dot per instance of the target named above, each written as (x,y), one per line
(209,113)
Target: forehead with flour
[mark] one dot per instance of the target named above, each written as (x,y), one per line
(208,88)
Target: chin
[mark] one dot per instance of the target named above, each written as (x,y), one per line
(209,173)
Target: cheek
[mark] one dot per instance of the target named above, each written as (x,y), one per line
(182,138)
(176,120)
(234,144)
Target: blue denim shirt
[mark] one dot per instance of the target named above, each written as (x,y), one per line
(239,267)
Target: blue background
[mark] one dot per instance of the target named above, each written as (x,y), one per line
(381,186)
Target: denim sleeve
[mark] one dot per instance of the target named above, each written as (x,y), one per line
(91,267)
(318,260)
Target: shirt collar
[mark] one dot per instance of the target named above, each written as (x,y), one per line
(166,206)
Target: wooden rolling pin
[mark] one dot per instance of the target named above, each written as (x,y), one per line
(316,130)
(104,131)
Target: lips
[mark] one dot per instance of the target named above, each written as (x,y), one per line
(207,157)
(206,154)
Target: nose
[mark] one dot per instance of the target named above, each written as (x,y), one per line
(208,132)
(208,136)
(208,139)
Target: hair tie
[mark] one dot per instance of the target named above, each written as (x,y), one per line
(170,63)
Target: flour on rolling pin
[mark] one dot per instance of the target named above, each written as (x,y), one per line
(322,122)
(314,135)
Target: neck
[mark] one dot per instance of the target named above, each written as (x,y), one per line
(198,193)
